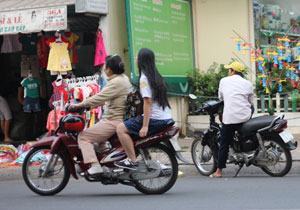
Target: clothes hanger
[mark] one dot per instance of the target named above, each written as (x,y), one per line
(58,37)
(59,80)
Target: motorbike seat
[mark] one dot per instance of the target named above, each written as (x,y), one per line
(250,127)
(160,131)
(151,139)
(170,123)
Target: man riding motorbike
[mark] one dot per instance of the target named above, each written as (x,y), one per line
(237,94)
(114,94)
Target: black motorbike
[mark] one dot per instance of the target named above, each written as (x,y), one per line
(261,141)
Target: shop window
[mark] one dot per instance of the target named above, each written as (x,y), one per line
(277,45)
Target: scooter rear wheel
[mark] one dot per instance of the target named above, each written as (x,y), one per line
(167,159)
(280,158)
(34,166)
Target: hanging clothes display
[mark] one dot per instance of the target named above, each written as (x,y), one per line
(59,59)
(60,92)
(43,51)
(72,90)
(29,60)
(53,119)
(31,95)
(72,39)
(100,51)
(29,44)
(11,44)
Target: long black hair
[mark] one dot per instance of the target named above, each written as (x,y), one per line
(146,65)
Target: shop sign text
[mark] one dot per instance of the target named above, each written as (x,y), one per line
(33,20)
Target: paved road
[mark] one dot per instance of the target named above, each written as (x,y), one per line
(252,190)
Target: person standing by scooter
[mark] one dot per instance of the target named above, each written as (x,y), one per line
(237,94)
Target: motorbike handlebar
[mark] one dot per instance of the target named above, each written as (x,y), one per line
(199,111)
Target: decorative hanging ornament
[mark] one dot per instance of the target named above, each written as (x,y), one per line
(288,56)
(264,82)
(238,44)
(280,50)
(275,58)
(260,64)
(298,48)
(280,62)
(279,87)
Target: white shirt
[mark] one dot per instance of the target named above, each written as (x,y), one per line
(157,112)
(237,94)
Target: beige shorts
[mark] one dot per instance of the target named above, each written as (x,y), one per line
(5,113)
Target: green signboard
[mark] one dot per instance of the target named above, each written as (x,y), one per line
(165,26)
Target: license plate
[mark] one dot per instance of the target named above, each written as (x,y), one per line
(286,136)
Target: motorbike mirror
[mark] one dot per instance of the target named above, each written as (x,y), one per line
(192,96)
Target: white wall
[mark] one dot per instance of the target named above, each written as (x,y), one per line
(214,22)
(114,31)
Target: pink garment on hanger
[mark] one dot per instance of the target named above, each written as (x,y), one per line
(53,119)
(100,51)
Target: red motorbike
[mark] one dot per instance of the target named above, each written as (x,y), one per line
(50,162)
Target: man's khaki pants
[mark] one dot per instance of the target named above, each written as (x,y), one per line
(100,132)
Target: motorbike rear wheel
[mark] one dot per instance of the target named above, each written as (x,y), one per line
(275,151)
(203,158)
(34,166)
(166,158)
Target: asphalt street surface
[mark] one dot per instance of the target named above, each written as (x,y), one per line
(252,190)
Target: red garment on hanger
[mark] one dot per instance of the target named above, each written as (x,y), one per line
(100,51)
(53,39)
(43,51)
(58,92)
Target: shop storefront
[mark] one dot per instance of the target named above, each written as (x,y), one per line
(277,44)
(34,35)
(264,35)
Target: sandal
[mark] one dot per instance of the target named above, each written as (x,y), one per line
(215,176)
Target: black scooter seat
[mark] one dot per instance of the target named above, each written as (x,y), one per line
(250,127)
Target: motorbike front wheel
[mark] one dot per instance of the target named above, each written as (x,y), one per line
(203,158)
(279,158)
(167,160)
(34,171)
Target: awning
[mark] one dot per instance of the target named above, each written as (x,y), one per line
(15,5)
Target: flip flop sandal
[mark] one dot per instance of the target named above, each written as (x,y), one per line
(214,176)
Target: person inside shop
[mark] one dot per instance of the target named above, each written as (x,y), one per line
(156,109)
(237,94)
(6,118)
(31,85)
(114,94)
